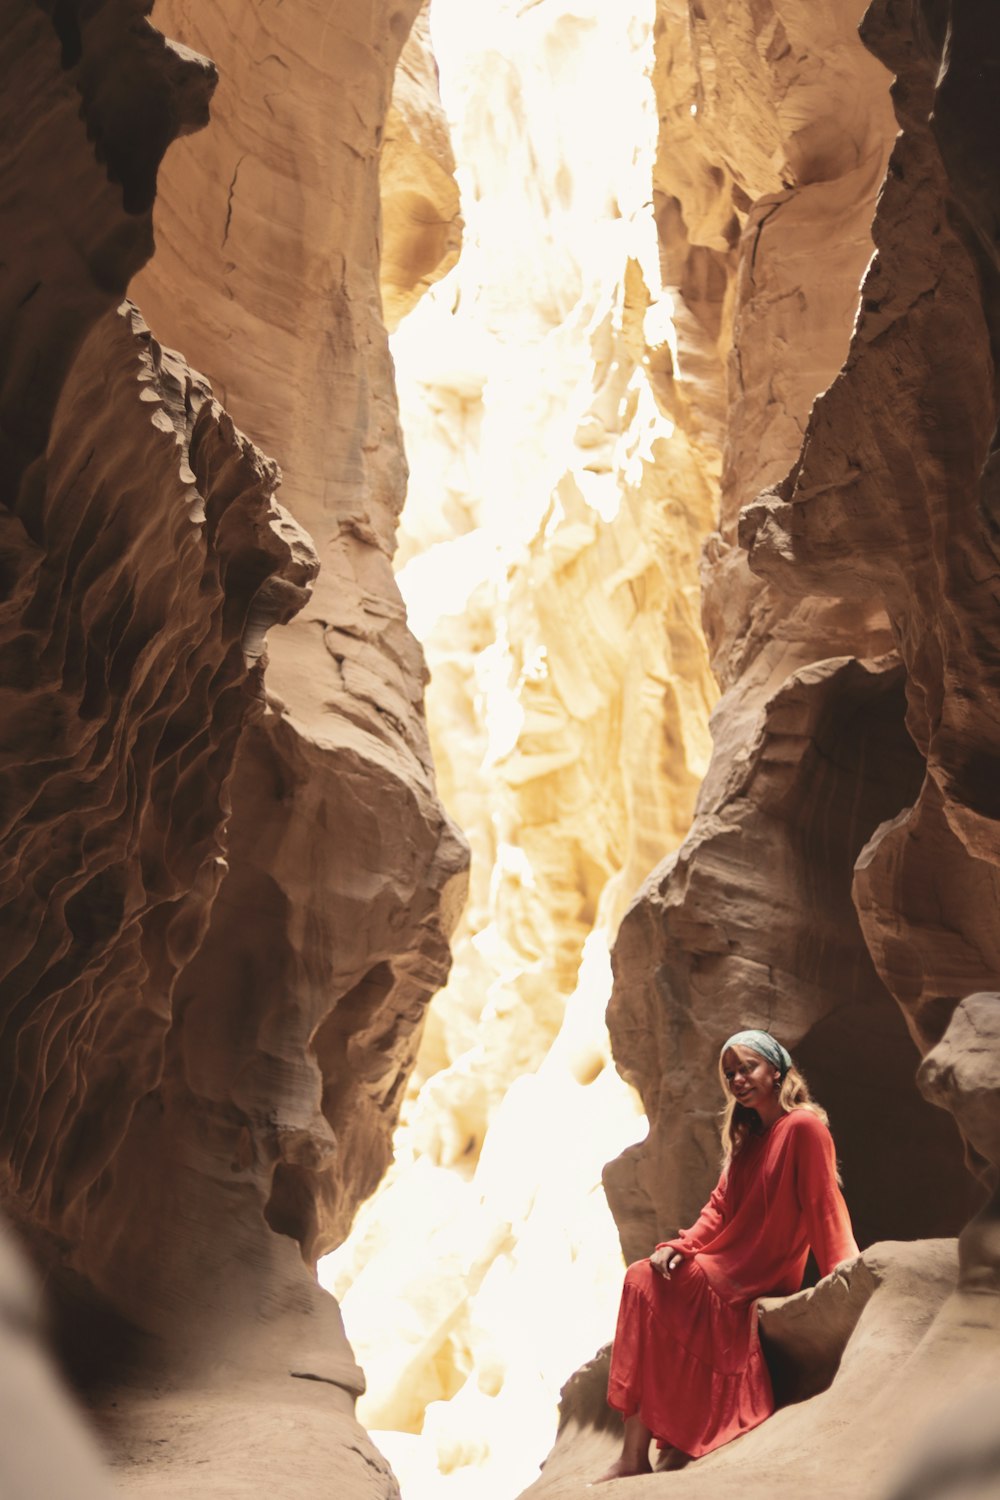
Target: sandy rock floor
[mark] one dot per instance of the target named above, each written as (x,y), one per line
(248,1443)
(919,1355)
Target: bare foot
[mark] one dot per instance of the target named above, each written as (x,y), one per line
(624,1469)
(671,1458)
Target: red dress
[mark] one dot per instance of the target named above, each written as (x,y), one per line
(686,1355)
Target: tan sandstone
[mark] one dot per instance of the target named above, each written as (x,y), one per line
(753,921)
(840,853)
(227,880)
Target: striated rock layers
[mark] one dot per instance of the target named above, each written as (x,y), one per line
(342,859)
(842,857)
(549,551)
(830,825)
(892,501)
(224,904)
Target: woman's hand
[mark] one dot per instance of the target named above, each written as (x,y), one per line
(666,1260)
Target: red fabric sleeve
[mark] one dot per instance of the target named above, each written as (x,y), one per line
(710,1221)
(827,1221)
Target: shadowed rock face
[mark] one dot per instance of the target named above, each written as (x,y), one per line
(144,556)
(962,1074)
(330,934)
(825,826)
(889,503)
(93,95)
(45,1448)
(131,655)
(223,908)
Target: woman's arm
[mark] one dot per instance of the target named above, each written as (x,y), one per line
(827,1221)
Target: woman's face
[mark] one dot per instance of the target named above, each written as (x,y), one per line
(749,1077)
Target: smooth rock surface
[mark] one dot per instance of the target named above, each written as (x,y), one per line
(917,1347)
(962,1074)
(45,1448)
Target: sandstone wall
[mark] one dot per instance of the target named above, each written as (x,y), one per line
(227,880)
(783,122)
(341,852)
(838,884)
(418,195)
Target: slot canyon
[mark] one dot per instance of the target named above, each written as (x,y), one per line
(500,550)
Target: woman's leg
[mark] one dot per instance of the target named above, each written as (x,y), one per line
(625,1376)
(625,1373)
(635,1451)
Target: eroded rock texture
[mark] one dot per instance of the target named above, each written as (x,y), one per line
(224,906)
(911,1359)
(890,502)
(330,934)
(139,608)
(962,1074)
(133,570)
(777,134)
(421,226)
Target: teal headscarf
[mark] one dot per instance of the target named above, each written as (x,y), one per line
(764,1043)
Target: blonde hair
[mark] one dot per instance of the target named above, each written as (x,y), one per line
(738,1122)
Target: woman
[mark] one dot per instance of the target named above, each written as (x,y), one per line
(687,1367)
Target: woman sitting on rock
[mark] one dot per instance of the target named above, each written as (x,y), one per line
(687,1366)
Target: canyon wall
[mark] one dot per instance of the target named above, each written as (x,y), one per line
(838,884)
(768,914)
(228,882)
(340,850)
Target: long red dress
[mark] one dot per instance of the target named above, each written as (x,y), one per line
(687,1355)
